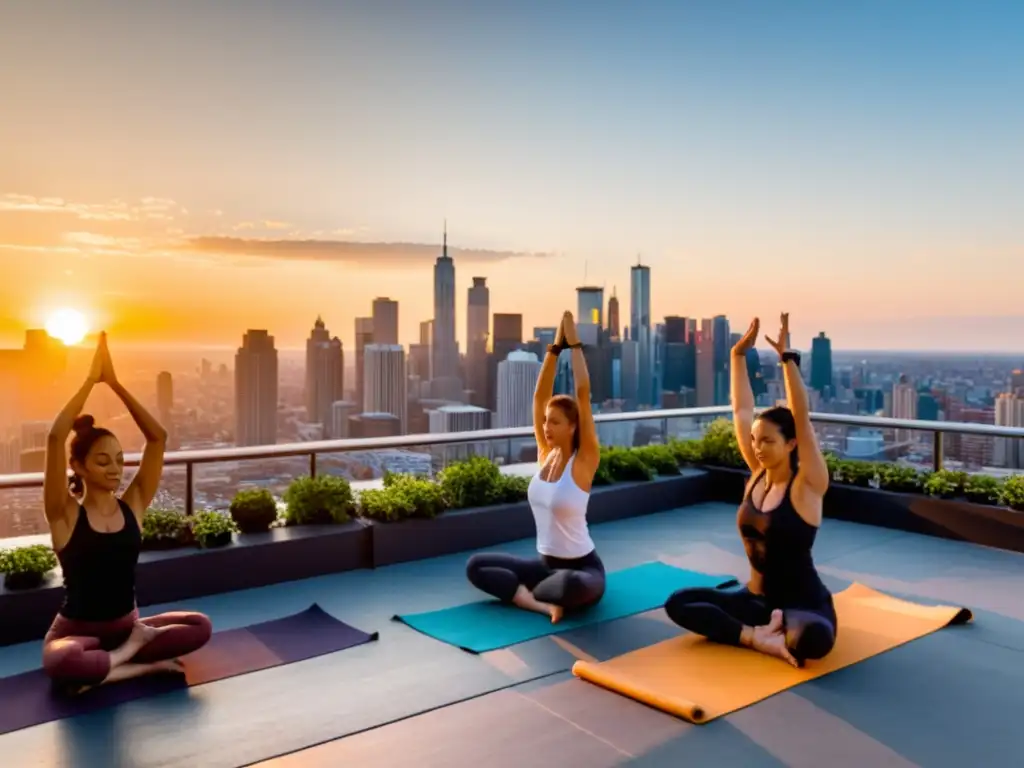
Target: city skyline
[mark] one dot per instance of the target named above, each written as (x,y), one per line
(804,159)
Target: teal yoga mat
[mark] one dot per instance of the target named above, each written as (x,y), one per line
(489,624)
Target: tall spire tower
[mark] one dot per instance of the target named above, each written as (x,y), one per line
(444,351)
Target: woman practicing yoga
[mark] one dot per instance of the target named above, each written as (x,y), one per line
(97,636)
(785,610)
(568,575)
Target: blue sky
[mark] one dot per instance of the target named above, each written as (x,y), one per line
(837,153)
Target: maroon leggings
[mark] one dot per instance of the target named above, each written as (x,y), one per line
(78,651)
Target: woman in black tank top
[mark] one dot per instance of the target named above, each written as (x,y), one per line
(784,610)
(97,636)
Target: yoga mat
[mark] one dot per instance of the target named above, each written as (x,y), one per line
(698,680)
(490,624)
(30,698)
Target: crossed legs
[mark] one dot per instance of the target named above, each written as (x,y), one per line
(84,654)
(738,617)
(544,585)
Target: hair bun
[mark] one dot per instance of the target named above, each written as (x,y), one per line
(83,424)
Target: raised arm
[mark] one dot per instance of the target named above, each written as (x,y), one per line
(56,499)
(743,395)
(543,391)
(813,473)
(589,452)
(140,493)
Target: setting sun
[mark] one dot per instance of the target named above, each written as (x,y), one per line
(67,325)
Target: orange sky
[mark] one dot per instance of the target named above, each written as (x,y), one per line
(137,269)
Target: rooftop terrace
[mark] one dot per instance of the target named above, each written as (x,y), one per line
(951,698)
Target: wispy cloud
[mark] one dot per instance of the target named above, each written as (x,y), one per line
(371,254)
(149,208)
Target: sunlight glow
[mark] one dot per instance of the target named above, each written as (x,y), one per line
(67,325)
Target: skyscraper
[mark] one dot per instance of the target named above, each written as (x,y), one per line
(478,320)
(364,336)
(590,305)
(705,344)
(722,343)
(164,396)
(904,406)
(640,331)
(385,321)
(821,364)
(517,380)
(256,390)
(444,352)
(325,376)
(613,317)
(385,384)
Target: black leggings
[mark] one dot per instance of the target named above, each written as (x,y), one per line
(571,584)
(719,615)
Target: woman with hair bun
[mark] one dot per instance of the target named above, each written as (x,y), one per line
(97,636)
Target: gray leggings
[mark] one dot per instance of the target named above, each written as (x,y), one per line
(572,584)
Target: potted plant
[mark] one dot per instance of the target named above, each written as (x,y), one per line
(164,529)
(945,484)
(212,529)
(470,483)
(324,499)
(983,489)
(1012,493)
(26,567)
(402,497)
(253,510)
(659,458)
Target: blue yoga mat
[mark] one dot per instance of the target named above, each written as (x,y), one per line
(489,624)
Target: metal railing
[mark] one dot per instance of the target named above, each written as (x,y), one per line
(190,459)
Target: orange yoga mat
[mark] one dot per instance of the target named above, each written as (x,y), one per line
(698,680)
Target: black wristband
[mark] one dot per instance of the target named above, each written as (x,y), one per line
(577,345)
(794,356)
(555,349)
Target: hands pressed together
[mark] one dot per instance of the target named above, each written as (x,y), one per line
(779,344)
(102,369)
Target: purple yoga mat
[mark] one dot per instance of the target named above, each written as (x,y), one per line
(30,699)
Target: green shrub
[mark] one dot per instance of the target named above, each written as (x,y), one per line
(983,489)
(687,452)
(164,528)
(512,489)
(1012,493)
(319,500)
(901,479)
(475,482)
(31,560)
(859,473)
(211,528)
(404,496)
(660,458)
(945,484)
(253,510)
(603,475)
(719,444)
(623,465)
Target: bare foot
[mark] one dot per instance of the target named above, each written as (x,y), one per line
(524,599)
(143,634)
(771,640)
(169,665)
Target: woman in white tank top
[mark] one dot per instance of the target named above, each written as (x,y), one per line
(568,575)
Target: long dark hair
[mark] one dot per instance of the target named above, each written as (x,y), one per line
(567,405)
(782,418)
(86,435)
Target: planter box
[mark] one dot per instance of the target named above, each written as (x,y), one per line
(465,530)
(954,519)
(251,560)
